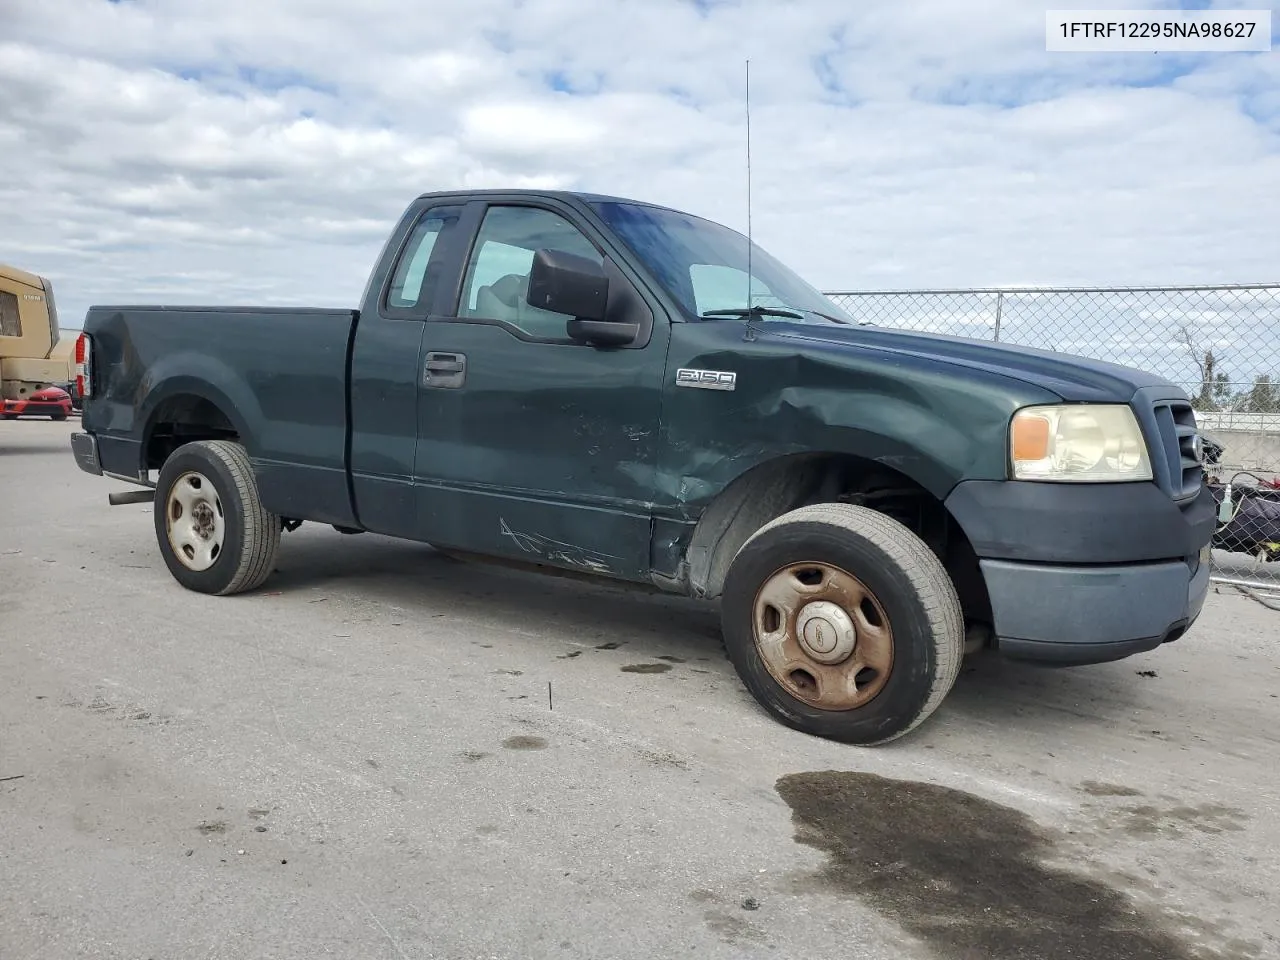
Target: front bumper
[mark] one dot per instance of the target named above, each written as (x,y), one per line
(1086,573)
(1073,615)
(1083,523)
(35,408)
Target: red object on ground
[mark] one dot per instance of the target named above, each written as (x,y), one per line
(52,402)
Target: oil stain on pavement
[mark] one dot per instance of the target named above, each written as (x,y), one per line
(968,876)
(646,668)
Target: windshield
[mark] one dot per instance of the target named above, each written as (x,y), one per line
(704,265)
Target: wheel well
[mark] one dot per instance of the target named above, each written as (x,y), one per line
(778,486)
(182,419)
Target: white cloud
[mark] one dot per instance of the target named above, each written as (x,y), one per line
(235,152)
(528,129)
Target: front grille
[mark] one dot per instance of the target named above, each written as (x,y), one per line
(1177,422)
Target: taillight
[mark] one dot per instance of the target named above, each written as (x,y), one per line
(84,365)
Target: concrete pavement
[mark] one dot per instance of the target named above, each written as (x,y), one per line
(360,760)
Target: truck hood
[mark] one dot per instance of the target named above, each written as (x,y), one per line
(1074,379)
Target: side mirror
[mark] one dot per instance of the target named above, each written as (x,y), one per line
(567,283)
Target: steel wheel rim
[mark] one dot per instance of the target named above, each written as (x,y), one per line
(802,641)
(194,521)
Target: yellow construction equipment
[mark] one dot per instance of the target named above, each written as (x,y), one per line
(33,353)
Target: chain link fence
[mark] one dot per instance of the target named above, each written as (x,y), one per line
(1219,343)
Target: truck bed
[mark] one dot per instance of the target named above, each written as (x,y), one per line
(279,373)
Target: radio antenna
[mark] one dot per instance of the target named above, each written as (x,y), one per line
(749,244)
(748,333)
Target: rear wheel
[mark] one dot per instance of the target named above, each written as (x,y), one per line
(57,416)
(842,623)
(214,534)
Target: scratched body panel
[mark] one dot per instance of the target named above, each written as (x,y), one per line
(549,453)
(934,422)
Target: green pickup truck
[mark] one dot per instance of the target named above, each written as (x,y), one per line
(606,386)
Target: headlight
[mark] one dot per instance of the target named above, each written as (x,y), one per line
(1078,442)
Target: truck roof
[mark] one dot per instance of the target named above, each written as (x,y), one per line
(20,276)
(581,195)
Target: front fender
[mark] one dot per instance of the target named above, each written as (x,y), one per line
(932,424)
(903,432)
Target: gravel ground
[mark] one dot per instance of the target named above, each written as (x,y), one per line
(360,760)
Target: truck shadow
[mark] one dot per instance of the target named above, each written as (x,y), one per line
(1039,701)
(34,449)
(562,614)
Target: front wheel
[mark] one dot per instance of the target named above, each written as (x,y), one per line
(57,416)
(842,623)
(214,534)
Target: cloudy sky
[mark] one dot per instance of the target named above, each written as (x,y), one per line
(257,151)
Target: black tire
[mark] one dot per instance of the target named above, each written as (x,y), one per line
(10,416)
(903,576)
(250,534)
(57,416)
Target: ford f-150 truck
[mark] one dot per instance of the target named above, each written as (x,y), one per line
(587,383)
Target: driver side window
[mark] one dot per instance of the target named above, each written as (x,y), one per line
(498,271)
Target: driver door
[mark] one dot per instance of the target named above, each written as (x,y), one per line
(532,445)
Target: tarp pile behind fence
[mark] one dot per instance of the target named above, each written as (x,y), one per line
(1220,343)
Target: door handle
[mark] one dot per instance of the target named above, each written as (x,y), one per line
(444,370)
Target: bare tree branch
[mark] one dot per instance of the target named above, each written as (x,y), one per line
(1188,341)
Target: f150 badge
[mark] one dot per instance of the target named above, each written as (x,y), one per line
(706,379)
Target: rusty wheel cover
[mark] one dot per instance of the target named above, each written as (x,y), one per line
(808,613)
